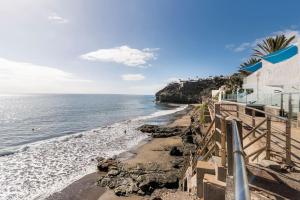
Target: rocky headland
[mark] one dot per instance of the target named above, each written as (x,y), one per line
(190,91)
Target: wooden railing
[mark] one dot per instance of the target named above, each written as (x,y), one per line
(261,130)
(255,135)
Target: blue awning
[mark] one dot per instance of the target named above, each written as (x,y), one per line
(252,68)
(281,55)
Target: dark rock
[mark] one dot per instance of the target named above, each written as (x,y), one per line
(175,152)
(141,192)
(178,163)
(189,149)
(103,167)
(120,190)
(188,139)
(142,179)
(105,182)
(113,172)
(105,164)
(161,131)
(157,198)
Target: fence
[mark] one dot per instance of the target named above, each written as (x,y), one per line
(262,128)
(280,100)
(234,134)
(224,138)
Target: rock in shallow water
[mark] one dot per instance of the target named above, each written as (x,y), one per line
(105,164)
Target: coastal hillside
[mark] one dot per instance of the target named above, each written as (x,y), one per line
(190,91)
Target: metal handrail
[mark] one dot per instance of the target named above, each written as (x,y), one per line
(241,188)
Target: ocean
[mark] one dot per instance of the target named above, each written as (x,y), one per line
(49,141)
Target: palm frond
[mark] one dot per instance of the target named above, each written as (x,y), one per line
(250,62)
(272,44)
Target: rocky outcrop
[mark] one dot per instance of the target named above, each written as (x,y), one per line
(161,131)
(189,91)
(141,179)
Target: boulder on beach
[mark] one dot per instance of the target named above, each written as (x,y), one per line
(161,131)
(141,179)
(175,151)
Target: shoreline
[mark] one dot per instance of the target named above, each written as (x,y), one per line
(86,187)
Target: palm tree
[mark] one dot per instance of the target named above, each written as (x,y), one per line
(272,44)
(250,62)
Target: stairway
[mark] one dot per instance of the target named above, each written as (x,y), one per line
(211,182)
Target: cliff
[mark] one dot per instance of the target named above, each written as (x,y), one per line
(190,91)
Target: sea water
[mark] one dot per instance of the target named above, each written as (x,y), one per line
(49,141)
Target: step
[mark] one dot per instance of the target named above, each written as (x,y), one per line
(213,188)
(202,168)
(273,183)
(219,169)
(256,193)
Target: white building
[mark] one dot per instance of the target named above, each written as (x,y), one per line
(278,73)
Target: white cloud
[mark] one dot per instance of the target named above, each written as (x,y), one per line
(238,48)
(54,17)
(122,55)
(242,47)
(250,45)
(229,46)
(133,77)
(20,77)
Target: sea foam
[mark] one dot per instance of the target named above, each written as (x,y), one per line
(45,167)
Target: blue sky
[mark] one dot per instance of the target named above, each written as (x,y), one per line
(130,46)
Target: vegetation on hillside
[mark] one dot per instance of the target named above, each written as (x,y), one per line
(234,82)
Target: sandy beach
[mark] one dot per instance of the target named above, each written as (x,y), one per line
(153,150)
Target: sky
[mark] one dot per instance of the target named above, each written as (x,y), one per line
(130,46)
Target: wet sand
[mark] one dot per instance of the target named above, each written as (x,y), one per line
(150,150)
(84,189)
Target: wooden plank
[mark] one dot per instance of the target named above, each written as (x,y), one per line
(255,140)
(254,129)
(209,152)
(268,139)
(255,152)
(212,135)
(257,155)
(223,142)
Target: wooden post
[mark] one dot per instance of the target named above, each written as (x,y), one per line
(215,150)
(229,146)
(240,128)
(268,139)
(237,111)
(253,122)
(288,133)
(281,112)
(217,112)
(223,142)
